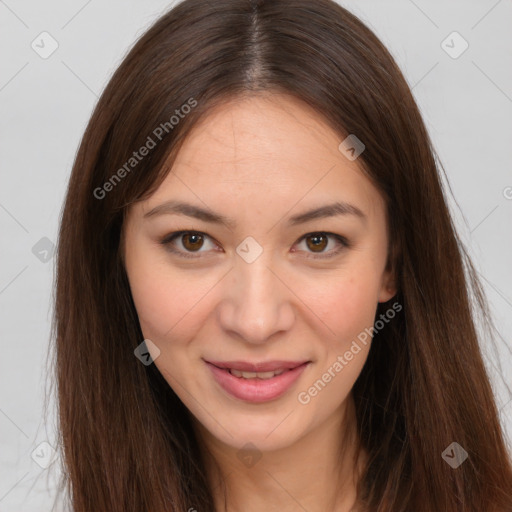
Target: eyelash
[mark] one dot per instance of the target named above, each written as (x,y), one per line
(167,242)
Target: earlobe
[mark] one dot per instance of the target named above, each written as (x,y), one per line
(388,289)
(386,295)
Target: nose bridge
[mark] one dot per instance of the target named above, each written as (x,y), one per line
(257,305)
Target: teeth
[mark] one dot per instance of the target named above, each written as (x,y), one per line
(253,375)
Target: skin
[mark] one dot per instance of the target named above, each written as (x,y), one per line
(259,160)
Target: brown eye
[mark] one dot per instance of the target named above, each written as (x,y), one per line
(188,244)
(318,242)
(192,241)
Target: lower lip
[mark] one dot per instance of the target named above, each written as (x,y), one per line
(256,390)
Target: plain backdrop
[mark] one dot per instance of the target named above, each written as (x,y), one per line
(465,99)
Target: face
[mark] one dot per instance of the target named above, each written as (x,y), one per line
(257,309)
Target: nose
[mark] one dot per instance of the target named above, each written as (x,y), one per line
(256,303)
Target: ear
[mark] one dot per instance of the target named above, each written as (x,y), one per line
(388,286)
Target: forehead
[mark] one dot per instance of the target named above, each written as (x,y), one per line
(269,150)
(275,129)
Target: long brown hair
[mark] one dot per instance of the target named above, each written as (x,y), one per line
(128,442)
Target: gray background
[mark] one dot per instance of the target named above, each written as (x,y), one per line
(466,103)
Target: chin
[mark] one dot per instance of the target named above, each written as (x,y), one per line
(266,431)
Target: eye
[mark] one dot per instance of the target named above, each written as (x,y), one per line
(317,242)
(193,241)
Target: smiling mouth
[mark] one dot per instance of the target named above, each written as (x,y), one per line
(255,375)
(262,370)
(256,382)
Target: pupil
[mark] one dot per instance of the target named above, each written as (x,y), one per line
(318,241)
(193,240)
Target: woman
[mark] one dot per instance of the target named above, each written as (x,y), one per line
(261,300)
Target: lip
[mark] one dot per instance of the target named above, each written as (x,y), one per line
(266,366)
(257,390)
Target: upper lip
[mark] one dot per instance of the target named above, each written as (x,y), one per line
(264,366)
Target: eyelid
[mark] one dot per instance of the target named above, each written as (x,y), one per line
(167,242)
(344,244)
(168,239)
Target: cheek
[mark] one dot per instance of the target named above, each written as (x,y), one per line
(162,300)
(346,306)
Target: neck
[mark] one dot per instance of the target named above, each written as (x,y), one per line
(319,472)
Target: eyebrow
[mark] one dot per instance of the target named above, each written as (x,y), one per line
(181,208)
